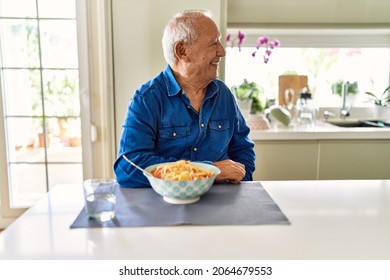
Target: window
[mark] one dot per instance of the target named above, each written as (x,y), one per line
(326,57)
(40,97)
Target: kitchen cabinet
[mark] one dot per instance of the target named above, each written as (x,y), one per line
(354,159)
(322,159)
(286,160)
(313,13)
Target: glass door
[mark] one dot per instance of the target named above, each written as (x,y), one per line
(40,98)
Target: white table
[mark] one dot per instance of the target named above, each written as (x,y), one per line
(329,220)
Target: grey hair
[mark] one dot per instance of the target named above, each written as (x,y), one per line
(181,28)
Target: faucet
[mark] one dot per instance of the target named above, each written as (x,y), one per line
(344,112)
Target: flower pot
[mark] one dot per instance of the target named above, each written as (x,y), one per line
(41,140)
(75,142)
(245,107)
(258,122)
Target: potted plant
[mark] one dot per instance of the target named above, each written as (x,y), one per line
(250,97)
(252,102)
(61,101)
(382,100)
(337,88)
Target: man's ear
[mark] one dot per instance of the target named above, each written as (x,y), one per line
(180,51)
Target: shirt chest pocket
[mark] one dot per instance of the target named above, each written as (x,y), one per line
(173,140)
(174,132)
(219,135)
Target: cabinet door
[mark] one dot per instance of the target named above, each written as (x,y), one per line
(286,160)
(358,159)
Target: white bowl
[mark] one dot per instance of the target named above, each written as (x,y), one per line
(182,192)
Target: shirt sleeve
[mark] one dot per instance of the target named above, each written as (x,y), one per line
(137,142)
(241,147)
(242,150)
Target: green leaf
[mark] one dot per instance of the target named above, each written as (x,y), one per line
(251,90)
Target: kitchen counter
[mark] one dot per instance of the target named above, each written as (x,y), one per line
(320,131)
(324,130)
(344,219)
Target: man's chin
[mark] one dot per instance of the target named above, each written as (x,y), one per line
(216,74)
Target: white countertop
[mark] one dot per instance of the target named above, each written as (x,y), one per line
(323,130)
(320,131)
(329,220)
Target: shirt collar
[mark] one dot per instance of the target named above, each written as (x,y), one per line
(174,88)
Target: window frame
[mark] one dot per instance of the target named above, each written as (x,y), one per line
(8,213)
(316,35)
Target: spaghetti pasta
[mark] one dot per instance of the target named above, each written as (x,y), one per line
(180,171)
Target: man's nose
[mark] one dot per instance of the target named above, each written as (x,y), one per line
(221,50)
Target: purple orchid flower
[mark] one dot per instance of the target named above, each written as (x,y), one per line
(241,38)
(228,38)
(262,41)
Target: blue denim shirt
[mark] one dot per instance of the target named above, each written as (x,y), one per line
(161,126)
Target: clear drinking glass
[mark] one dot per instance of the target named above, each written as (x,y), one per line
(100,198)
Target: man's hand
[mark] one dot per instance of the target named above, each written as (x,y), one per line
(231,171)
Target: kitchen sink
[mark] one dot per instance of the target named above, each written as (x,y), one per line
(358,123)
(377,116)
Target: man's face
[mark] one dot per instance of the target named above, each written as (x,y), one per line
(206,53)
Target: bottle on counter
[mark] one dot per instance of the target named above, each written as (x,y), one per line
(305,111)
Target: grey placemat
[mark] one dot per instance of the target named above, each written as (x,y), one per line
(224,204)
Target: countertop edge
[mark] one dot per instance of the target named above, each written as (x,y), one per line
(320,134)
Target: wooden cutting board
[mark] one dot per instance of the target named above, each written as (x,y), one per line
(292,83)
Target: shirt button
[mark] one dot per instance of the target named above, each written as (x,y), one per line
(189,107)
(174,134)
(202,125)
(195,149)
(219,126)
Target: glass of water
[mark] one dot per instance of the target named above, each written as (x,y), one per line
(100,198)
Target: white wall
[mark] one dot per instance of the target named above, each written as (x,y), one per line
(137,32)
